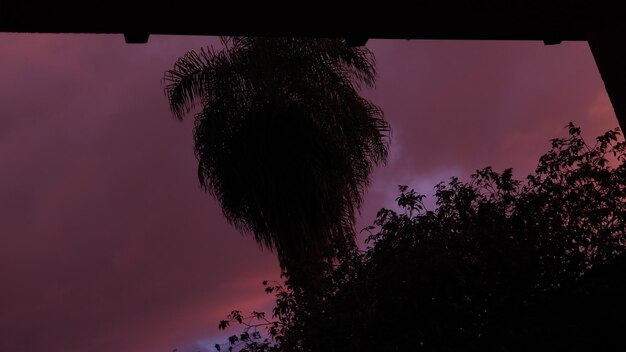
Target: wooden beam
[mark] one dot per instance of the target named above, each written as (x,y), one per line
(609,51)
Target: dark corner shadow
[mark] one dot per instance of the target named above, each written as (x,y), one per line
(586,315)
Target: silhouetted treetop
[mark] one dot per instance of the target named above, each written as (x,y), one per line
(283,139)
(499,264)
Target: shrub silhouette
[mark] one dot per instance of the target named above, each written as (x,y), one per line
(500,264)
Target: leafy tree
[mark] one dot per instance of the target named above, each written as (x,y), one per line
(500,264)
(283,139)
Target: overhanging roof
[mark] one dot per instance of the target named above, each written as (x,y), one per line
(519,20)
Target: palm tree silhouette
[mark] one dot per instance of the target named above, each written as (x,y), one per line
(283,139)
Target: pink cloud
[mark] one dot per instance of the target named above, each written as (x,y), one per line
(108,243)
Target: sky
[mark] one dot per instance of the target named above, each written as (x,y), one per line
(107,242)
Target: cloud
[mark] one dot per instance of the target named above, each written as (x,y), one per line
(108,242)
(106,235)
(459,106)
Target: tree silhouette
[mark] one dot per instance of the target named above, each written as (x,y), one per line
(499,264)
(283,139)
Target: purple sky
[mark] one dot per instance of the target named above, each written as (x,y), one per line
(107,242)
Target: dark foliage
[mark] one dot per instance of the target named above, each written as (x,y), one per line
(283,139)
(499,265)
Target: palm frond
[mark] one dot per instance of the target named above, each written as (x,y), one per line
(284,141)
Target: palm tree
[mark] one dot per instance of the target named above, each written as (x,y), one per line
(284,141)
